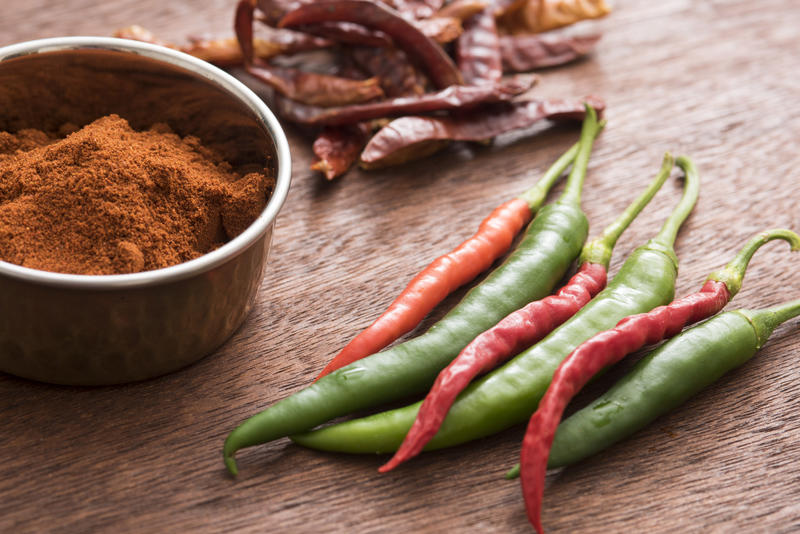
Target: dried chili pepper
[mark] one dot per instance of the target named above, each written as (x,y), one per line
(463,9)
(337,148)
(478,50)
(398,77)
(608,347)
(225,52)
(272,11)
(534,16)
(348,33)
(440,29)
(418,9)
(316,89)
(549,245)
(439,66)
(522,328)
(243,26)
(521,53)
(452,270)
(509,394)
(454,97)
(410,137)
(306,87)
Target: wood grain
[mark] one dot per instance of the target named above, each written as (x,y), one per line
(716,80)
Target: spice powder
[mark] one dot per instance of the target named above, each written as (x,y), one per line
(106,199)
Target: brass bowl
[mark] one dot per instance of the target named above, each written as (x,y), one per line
(92,330)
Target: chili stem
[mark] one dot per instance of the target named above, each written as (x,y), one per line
(765,321)
(691,190)
(572,191)
(599,249)
(786,311)
(536,195)
(733,273)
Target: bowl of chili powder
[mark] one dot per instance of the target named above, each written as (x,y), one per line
(138,192)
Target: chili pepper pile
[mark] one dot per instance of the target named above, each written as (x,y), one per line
(403,78)
(607,348)
(550,244)
(522,328)
(551,345)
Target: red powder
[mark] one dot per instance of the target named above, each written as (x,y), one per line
(109,200)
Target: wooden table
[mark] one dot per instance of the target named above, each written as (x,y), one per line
(716,80)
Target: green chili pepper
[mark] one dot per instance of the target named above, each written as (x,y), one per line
(551,243)
(510,394)
(665,379)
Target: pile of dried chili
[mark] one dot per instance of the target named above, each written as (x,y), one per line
(400,79)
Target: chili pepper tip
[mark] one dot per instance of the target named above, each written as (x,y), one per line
(512,473)
(230,463)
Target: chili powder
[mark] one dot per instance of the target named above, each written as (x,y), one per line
(106,199)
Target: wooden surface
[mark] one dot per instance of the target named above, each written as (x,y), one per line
(717,80)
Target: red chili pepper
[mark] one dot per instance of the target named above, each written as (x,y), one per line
(513,334)
(520,329)
(607,348)
(450,271)
(437,280)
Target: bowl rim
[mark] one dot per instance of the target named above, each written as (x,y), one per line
(213,75)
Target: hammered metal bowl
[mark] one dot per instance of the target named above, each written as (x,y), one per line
(93,330)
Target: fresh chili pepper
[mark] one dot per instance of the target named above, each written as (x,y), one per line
(522,53)
(550,243)
(337,147)
(509,394)
(522,328)
(412,137)
(478,50)
(450,271)
(454,97)
(665,378)
(416,44)
(608,347)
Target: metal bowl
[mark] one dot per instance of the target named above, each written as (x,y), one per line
(92,330)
